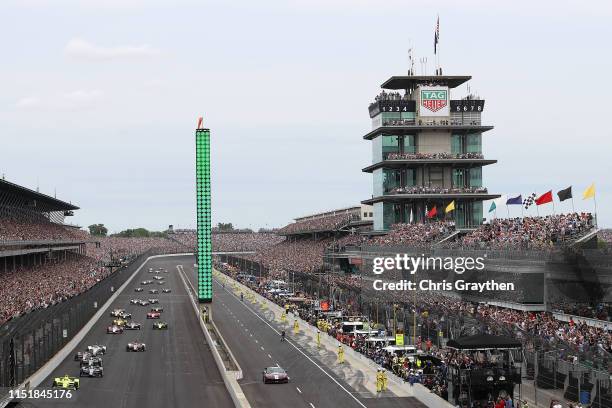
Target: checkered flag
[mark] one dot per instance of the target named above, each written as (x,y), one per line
(528,202)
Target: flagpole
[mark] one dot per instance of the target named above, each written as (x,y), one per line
(553,203)
(508,210)
(573,210)
(595,202)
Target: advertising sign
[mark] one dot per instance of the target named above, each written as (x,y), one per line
(399,339)
(433,101)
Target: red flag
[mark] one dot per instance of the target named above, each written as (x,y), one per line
(432,213)
(544,198)
(200,121)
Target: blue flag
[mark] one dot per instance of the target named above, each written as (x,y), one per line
(518,200)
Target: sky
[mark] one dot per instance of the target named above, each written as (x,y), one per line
(99,100)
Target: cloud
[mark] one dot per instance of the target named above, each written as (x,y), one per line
(74,100)
(81,49)
(28,102)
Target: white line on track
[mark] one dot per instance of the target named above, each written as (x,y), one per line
(298,389)
(311,404)
(269,356)
(301,352)
(261,347)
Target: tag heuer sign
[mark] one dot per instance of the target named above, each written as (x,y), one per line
(434,101)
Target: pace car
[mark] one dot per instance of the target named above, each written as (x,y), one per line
(136,346)
(153,315)
(91,371)
(154,291)
(275,374)
(160,326)
(138,290)
(157,309)
(132,326)
(114,329)
(166,291)
(96,350)
(66,382)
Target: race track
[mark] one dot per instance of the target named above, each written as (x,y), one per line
(177,370)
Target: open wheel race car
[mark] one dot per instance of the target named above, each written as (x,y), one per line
(114,329)
(166,291)
(136,346)
(91,371)
(66,382)
(132,326)
(160,326)
(96,349)
(153,315)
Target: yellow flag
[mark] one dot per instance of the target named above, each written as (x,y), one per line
(589,192)
(450,207)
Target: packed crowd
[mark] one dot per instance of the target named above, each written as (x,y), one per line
(415,235)
(103,248)
(526,233)
(422,156)
(303,255)
(232,241)
(27,289)
(606,235)
(436,190)
(35,229)
(323,223)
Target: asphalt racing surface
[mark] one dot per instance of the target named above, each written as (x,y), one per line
(256,346)
(176,370)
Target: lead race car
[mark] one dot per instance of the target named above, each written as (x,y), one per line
(91,371)
(136,346)
(66,382)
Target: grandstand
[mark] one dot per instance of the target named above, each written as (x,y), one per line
(44,261)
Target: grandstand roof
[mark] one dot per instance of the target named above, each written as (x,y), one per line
(41,202)
(407,82)
(328,213)
(411,129)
